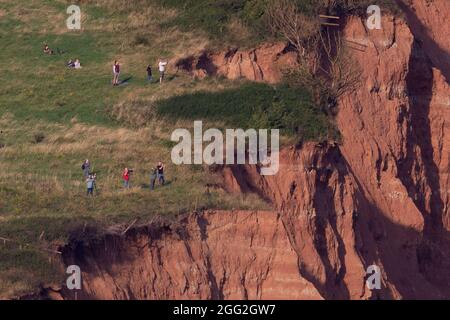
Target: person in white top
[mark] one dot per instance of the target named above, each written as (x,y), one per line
(77,64)
(162,69)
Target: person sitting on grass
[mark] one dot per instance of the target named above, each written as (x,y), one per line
(47,49)
(160,171)
(74,64)
(71,63)
(90,182)
(149,73)
(77,64)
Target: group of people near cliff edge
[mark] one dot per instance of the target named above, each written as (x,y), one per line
(116,68)
(156,174)
(161,68)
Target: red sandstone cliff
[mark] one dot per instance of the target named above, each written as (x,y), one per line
(214,255)
(264,64)
(396,140)
(381,197)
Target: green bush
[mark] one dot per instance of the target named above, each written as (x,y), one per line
(213,16)
(253,105)
(359,7)
(343,7)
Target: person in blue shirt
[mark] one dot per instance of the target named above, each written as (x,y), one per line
(90,183)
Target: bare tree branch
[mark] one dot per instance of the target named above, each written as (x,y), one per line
(285,19)
(324,65)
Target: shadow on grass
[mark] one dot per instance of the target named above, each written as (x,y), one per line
(157,185)
(125,81)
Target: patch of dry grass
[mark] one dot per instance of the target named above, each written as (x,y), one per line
(42,189)
(51,168)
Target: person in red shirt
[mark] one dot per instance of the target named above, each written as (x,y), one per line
(126,178)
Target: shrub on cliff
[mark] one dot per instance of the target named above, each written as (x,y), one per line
(253,105)
(217,17)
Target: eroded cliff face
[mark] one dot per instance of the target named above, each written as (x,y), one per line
(315,244)
(396,138)
(380,197)
(264,63)
(212,255)
(338,229)
(384,197)
(428,21)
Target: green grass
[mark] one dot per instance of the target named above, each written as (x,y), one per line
(42,190)
(44,88)
(215,16)
(252,105)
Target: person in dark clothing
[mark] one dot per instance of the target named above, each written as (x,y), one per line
(86,167)
(149,73)
(160,172)
(71,64)
(153,176)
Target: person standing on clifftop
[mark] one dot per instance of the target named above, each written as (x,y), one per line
(86,167)
(126,178)
(90,183)
(162,70)
(153,176)
(116,73)
(149,73)
(160,172)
